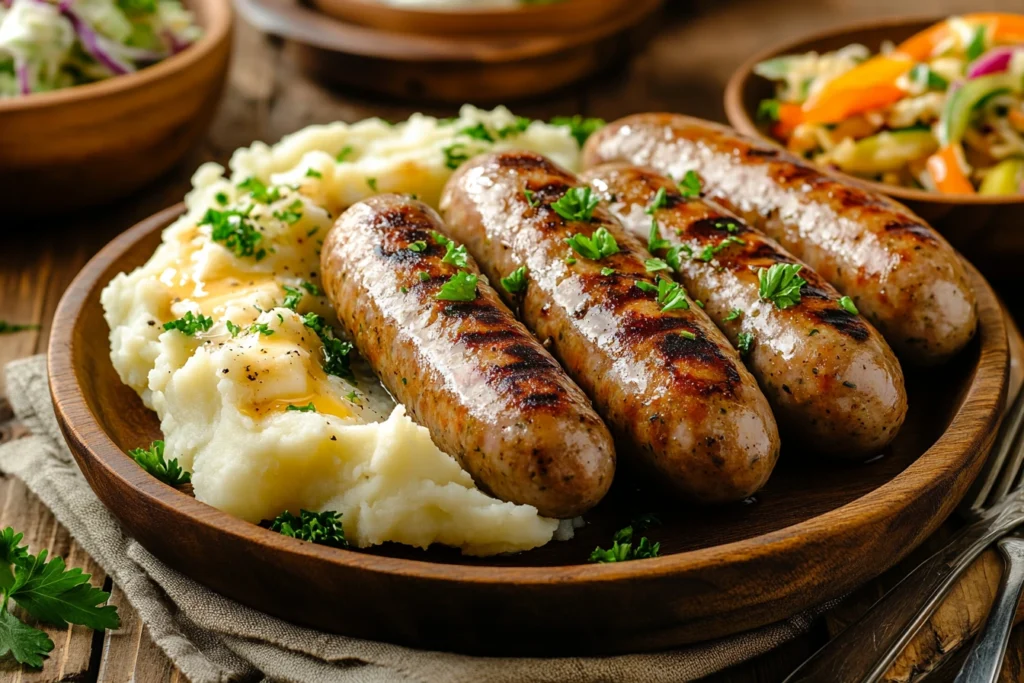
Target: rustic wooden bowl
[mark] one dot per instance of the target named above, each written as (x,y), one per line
(815,532)
(986,230)
(483,69)
(566,16)
(94,143)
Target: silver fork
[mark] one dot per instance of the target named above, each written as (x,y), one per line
(865,650)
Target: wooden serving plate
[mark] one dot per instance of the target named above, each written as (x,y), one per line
(483,69)
(816,531)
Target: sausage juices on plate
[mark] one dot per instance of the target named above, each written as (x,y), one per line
(444,344)
(901,274)
(830,377)
(659,371)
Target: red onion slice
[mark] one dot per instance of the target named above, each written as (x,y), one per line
(994,61)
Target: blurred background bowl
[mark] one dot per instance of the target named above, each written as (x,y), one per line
(93,143)
(987,230)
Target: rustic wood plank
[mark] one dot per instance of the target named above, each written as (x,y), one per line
(129,653)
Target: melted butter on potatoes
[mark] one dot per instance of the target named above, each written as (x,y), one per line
(234,399)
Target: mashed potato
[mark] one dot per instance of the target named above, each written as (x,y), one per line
(261,407)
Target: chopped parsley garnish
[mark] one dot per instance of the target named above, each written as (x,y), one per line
(687,335)
(259,191)
(516,280)
(781,284)
(846,303)
(599,245)
(645,286)
(520,126)
(671,296)
(417,246)
(534,203)
(221,198)
(813,332)
(233,328)
(262,328)
(690,186)
(8,328)
(727,224)
(152,460)
(653,265)
(455,155)
(579,127)
(569,259)
(460,287)
(577,204)
(622,548)
(313,173)
(336,352)
(423,275)
(316,527)
(439,238)
(654,241)
(312,288)
(353,397)
(768,110)
(189,324)
(477,132)
(674,255)
(372,184)
(48,591)
(659,201)
(291,215)
(744,342)
(709,252)
(344,154)
(308,408)
(733,315)
(294,296)
(234,230)
(607,271)
(455,255)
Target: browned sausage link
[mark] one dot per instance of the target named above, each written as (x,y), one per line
(467,370)
(900,273)
(830,377)
(667,382)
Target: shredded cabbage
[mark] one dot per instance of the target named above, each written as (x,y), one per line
(50,44)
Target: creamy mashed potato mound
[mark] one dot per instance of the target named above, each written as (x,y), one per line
(228,397)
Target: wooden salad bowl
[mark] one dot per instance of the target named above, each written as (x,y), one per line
(985,229)
(816,531)
(90,144)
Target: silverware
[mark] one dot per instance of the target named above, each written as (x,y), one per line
(865,650)
(986,656)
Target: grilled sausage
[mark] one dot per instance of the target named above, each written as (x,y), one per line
(831,379)
(466,369)
(667,382)
(901,274)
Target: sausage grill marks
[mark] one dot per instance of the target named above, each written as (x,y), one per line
(466,369)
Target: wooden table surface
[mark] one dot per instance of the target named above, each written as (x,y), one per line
(683,68)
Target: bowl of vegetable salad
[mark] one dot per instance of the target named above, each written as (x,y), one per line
(928,111)
(99,97)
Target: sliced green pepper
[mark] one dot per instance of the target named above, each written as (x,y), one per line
(1004,178)
(887,151)
(956,114)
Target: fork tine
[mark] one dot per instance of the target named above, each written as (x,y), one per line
(996,469)
(1011,471)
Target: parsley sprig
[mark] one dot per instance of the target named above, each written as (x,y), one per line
(846,303)
(460,287)
(259,191)
(599,245)
(190,324)
(781,284)
(577,204)
(671,295)
(690,186)
(48,591)
(235,230)
(152,460)
(515,282)
(622,549)
(654,241)
(336,352)
(316,527)
(454,255)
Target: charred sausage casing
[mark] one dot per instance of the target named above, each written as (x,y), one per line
(666,381)
(831,379)
(467,370)
(905,278)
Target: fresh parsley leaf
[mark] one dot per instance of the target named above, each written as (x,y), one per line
(654,241)
(460,287)
(686,334)
(846,303)
(235,231)
(690,185)
(579,127)
(312,288)
(262,328)
(455,255)
(977,45)
(659,201)
(308,408)
(516,280)
(520,126)
(599,245)
(577,204)
(455,155)
(28,645)
(569,259)
(417,246)
(316,527)
(189,324)
(439,238)
(622,549)
(672,296)
(768,110)
(744,342)
(675,255)
(372,184)
(344,154)
(57,595)
(727,224)
(293,298)
(11,550)
(259,191)
(781,284)
(336,352)
(152,460)
(653,265)
(291,215)
(607,271)
(477,132)
(709,252)
(221,198)
(423,275)
(645,286)
(233,328)
(8,328)
(534,203)
(733,315)
(313,173)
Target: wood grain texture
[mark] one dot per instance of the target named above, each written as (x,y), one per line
(90,144)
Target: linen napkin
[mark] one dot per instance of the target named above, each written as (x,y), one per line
(211,638)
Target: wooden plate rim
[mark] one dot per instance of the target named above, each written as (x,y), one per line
(977,418)
(740,118)
(215,31)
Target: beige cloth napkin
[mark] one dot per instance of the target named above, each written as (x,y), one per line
(211,638)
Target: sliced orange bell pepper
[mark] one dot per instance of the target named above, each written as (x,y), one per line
(790,116)
(946,169)
(1002,28)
